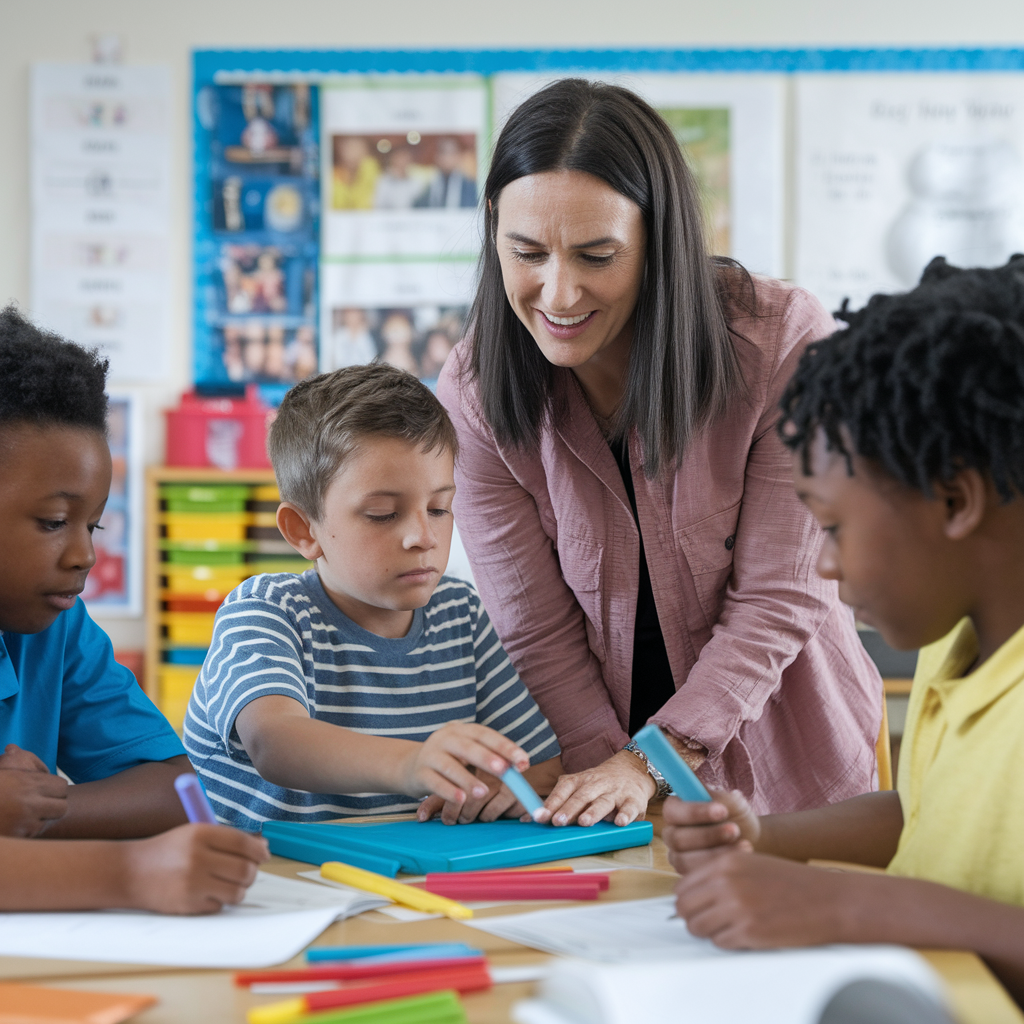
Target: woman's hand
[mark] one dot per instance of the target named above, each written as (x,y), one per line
(697,831)
(441,764)
(620,787)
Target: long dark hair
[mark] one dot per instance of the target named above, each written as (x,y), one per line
(682,366)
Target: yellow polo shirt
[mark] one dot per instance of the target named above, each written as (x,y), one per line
(961,777)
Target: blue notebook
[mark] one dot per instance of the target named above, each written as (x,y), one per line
(418,847)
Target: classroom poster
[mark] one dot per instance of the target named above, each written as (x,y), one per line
(114,584)
(402,159)
(896,169)
(100,143)
(257,244)
(402,156)
(409,313)
(730,130)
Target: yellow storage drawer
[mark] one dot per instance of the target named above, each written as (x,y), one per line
(174,690)
(176,681)
(266,492)
(188,627)
(206,526)
(213,582)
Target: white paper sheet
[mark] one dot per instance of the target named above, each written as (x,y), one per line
(280,916)
(633,931)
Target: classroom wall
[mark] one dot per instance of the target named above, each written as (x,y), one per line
(166,32)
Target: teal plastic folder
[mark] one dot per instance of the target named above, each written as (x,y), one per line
(418,847)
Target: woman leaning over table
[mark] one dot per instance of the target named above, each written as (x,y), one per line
(624,499)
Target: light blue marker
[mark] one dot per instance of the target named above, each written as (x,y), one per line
(678,774)
(523,792)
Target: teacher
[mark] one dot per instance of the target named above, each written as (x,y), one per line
(625,501)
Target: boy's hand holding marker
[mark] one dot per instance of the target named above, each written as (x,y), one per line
(441,766)
(192,869)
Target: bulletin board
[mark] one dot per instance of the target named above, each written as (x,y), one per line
(336,192)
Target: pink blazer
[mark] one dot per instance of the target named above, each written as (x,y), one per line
(770,675)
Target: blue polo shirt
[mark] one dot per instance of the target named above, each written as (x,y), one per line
(63,697)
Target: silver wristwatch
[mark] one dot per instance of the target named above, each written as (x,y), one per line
(664,789)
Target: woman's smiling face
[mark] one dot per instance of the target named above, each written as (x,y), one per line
(572,258)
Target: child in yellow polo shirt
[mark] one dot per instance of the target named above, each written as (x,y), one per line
(907,434)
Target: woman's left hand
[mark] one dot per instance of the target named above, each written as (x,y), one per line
(620,787)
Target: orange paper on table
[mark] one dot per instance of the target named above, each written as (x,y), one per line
(32,1004)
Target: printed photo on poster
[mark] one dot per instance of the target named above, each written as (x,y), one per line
(267,353)
(730,131)
(262,127)
(415,338)
(402,159)
(114,585)
(409,313)
(902,168)
(403,172)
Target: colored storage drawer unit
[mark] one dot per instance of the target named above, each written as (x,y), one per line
(193,628)
(206,526)
(212,582)
(205,497)
(175,684)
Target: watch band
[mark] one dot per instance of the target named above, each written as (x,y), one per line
(664,789)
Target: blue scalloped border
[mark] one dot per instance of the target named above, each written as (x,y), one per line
(206,63)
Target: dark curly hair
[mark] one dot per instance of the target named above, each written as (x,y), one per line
(924,384)
(46,380)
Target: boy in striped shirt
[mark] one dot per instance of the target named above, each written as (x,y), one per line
(373,680)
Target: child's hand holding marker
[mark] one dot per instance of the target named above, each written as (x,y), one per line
(698,830)
(440,766)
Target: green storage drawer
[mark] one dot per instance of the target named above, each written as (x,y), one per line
(206,552)
(205,497)
(206,557)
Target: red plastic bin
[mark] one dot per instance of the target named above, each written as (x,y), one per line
(225,433)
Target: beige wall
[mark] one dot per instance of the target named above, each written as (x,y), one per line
(166,32)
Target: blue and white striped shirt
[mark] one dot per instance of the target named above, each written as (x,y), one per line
(281,634)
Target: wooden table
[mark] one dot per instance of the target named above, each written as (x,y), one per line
(198,997)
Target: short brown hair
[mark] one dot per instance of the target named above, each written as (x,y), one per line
(322,420)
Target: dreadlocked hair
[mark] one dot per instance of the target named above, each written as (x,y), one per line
(924,384)
(46,380)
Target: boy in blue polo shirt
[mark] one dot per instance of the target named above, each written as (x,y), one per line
(64,702)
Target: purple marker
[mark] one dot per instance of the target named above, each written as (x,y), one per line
(193,799)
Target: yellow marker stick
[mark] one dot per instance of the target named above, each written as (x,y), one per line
(278,1013)
(407,895)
